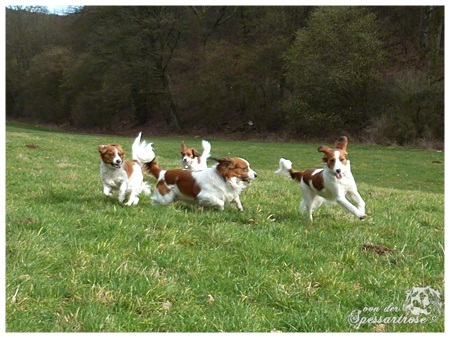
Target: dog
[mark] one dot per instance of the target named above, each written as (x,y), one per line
(333,183)
(213,187)
(125,176)
(191,158)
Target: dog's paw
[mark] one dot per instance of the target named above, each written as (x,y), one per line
(133,201)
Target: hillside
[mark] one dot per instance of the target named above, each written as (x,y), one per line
(375,73)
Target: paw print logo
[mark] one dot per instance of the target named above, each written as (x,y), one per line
(423,301)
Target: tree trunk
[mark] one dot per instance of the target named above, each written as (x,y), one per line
(173,110)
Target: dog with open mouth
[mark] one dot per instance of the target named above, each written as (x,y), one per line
(125,176)
(213,187)
(333,183)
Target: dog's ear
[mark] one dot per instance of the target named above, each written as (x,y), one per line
(226,163)
(225,167)
(195,152)
(102,149)
(325,150)
(183,147)
(341,143)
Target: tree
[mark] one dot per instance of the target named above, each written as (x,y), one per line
(332,68)
(210,18)
(47,97)
(230,73)
(244,69)
(132,48)
(29,31)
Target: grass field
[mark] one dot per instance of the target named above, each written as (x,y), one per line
(78,261)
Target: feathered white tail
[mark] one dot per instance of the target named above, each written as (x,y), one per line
(142,151)
(206,150)
(285,166)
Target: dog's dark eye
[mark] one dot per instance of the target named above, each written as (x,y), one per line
(342,159)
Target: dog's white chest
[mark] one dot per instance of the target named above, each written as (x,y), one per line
(112,176)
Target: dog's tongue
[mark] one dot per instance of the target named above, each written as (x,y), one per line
(339,176)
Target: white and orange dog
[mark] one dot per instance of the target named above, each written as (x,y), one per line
(213,187)
(125,176)
(191,158)
(333,183)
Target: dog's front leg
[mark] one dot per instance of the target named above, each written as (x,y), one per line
(133,199)
(350,207)
(122,191)
(238,203)
(107,190)
(356,197)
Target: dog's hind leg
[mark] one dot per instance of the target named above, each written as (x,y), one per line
(308,203)
(165,199)
(305,207)
(209,200)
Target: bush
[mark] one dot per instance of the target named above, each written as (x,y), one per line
(412,111)
(332,66)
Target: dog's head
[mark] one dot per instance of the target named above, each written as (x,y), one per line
(188,155)
(235,169)
(112,154)
(336,158)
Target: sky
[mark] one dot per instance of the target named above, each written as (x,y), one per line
(56,9)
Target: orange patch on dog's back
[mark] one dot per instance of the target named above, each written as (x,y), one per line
(308,177)
(316,179)
(183,180)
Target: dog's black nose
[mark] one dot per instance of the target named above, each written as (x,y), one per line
(338,171)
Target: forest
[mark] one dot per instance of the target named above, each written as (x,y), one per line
(265,72)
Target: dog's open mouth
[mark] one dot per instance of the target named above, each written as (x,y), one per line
(338,176)
(116,165)
(246,180)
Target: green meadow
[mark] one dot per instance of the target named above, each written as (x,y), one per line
(77,261)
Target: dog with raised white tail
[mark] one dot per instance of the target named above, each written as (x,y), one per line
(125,176)
(213,187)
(191,158)
(333,183)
